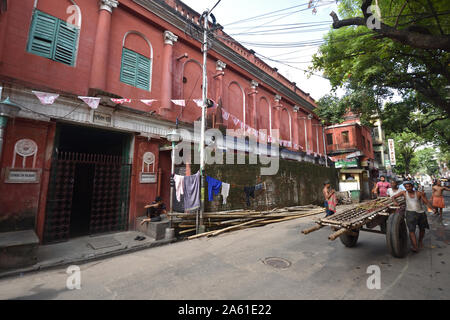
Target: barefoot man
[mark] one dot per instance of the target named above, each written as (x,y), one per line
(438,197)
(415,213)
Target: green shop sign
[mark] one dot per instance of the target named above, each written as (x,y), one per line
(345,163)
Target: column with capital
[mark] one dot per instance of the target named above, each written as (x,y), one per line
(253,92)
(167,73)
(295,128)
(276,114)
(218,78)
(101,49)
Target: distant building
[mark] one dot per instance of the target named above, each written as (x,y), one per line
(350,146)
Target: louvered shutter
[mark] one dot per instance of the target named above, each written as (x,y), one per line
(143,73)
(42,34)
(128,70)
(66,44)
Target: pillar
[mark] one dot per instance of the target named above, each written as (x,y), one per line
(218,78)
(167,73)
(277,113)
(295,128)
(100,59)
(253,102)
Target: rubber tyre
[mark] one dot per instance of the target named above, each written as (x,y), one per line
(383,226)
(397,235)
(348,240)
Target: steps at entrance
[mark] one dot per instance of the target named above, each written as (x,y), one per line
(18,249)
(155,230)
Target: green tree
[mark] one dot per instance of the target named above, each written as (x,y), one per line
(406,144)
(383,63)
(427,161)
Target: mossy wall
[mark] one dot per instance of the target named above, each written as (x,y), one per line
(297,183)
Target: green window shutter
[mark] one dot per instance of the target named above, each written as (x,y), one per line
(128,70)
(66,43)
(143,73)
(42,34)
(135,69)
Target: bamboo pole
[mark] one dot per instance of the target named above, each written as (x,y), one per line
(312,229)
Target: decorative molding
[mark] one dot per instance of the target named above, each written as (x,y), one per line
(108,5)
(277,98)
(254,84)
(220,65)
(170,38)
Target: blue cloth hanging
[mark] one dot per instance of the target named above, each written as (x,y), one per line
(214,186)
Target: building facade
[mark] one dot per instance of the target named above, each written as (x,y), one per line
(68,169)
(350,146)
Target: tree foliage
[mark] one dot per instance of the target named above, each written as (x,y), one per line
(370,61)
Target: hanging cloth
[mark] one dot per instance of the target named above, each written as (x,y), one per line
(192,192)
(214,186)
(249,192)
(225,191)
(179,186)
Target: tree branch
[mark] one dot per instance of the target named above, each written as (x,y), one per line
(404,36)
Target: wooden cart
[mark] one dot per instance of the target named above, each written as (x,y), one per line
(366,217)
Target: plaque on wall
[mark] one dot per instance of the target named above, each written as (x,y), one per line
(22,176)
(148,178)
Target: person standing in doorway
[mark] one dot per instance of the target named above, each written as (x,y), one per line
(415,213)
(330,198)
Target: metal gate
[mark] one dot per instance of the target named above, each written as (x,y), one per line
(110,197)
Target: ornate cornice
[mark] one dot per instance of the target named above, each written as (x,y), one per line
(220,65)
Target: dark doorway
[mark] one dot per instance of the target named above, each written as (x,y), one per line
(80,217)
(89,187)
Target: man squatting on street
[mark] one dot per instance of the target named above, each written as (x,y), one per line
(438,197)
(330,198)
(415,213)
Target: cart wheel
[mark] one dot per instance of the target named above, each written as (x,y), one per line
(397,236)
(349,240)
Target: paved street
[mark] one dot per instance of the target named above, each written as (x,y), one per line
(231,267)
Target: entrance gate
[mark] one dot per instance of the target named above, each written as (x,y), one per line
(109,202)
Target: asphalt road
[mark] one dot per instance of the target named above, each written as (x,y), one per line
(231,267)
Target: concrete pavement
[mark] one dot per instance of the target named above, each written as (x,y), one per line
(231,267)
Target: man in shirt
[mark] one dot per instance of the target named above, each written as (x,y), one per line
(382,187)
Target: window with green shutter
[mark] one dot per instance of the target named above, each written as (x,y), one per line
(136,69)
(53,38)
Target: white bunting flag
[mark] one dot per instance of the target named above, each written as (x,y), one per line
(148,102)
(235,120)
(121,101)
(91,101)
(181,103)
(46,98)
(199,102)
(225,115)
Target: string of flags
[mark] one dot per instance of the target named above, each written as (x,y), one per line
(93,102)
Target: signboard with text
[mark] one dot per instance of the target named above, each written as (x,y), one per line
(345,163)
(392,158)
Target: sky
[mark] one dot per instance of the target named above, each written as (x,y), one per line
(265,34)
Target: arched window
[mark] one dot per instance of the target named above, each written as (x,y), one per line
(285,125)
(192,90)
(264,115)
(137,58)
(236,103)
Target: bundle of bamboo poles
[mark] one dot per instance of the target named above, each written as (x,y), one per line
(220,222)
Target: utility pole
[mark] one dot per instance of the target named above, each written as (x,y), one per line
(200,226)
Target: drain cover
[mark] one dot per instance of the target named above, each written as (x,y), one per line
(277,263)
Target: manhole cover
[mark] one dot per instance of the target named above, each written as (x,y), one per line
(277,263)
